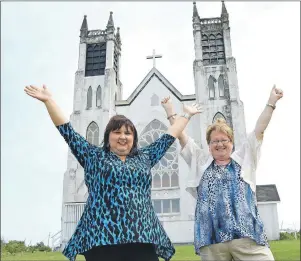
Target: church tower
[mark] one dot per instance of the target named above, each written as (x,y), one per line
(215,74)
(96,88)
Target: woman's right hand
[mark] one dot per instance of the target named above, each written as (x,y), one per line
(41,94)
(167,105)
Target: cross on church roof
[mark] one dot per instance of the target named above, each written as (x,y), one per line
(154,56)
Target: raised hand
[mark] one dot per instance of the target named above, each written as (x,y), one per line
(167,105)
(192,109)
(275,95)
(41,94)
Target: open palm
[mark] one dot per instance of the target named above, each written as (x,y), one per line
(193,109)
(41,94)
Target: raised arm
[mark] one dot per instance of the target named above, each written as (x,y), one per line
(78,145)
(190,149)
(171,116)
(43,95)
(265,117)
(180,122)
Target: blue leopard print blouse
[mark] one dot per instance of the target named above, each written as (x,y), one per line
(226,208)
(119,208)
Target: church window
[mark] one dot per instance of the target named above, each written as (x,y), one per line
(93,134)
(165,172)
(98,97)
(217,116)
(211,86)
(157,206)
(155,100)
(89,98)
(95,59)
(165,180)
(221,86)
(166,206)
(156,181)
(213,49)
(175,205)
(174,179)
(204,40)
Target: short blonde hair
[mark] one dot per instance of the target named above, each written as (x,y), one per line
(222,126)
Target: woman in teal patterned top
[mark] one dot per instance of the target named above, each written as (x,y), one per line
(119,222)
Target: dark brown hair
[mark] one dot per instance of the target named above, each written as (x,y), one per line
(115,123)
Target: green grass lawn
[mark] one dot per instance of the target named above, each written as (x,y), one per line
(283,250)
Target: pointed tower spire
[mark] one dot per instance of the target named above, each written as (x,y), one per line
(224,9)
(84,24)
(195,16)
(110,22)
(84,28)
(118,35)
(195,10)
(224,15)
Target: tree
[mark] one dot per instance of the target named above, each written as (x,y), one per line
(15,246)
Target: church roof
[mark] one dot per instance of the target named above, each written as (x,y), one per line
(155,73)
(267,193)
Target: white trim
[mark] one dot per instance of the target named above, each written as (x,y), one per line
(267,202)
(141,86)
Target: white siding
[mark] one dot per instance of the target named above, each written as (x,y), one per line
(269,217)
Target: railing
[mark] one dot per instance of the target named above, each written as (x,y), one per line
(56,241)
(96,33)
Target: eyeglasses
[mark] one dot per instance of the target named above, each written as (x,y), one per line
(215,142)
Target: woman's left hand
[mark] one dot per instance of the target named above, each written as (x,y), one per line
(193,109)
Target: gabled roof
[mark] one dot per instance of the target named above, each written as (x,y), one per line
(267,193)
(155,73)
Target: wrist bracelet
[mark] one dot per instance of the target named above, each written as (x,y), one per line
(185,115)
(171,116)
(271,105)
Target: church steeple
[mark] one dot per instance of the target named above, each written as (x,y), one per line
(110,24)
(224,15)
(84,27)
(195,16)
(224,9)
(118,39)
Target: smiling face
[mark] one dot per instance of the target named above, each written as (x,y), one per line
(220,146)
(121,141)
(120,136)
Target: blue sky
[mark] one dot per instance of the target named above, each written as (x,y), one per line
(39,44)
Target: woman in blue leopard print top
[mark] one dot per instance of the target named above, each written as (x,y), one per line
(119,222)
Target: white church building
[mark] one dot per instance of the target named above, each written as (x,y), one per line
(98,96)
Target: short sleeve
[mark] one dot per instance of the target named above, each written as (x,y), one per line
(250,150)
(156,150)
(78,145)
(196,158)
(192,151)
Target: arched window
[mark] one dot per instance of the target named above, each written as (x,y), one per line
(89,98)
(221,86)
(211,87)
(155,100)
(165,172)
(98,97)
(174,179)
(218,115)
(165,180)
(219,36)
(93,133)
(156,181)
(204,40)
